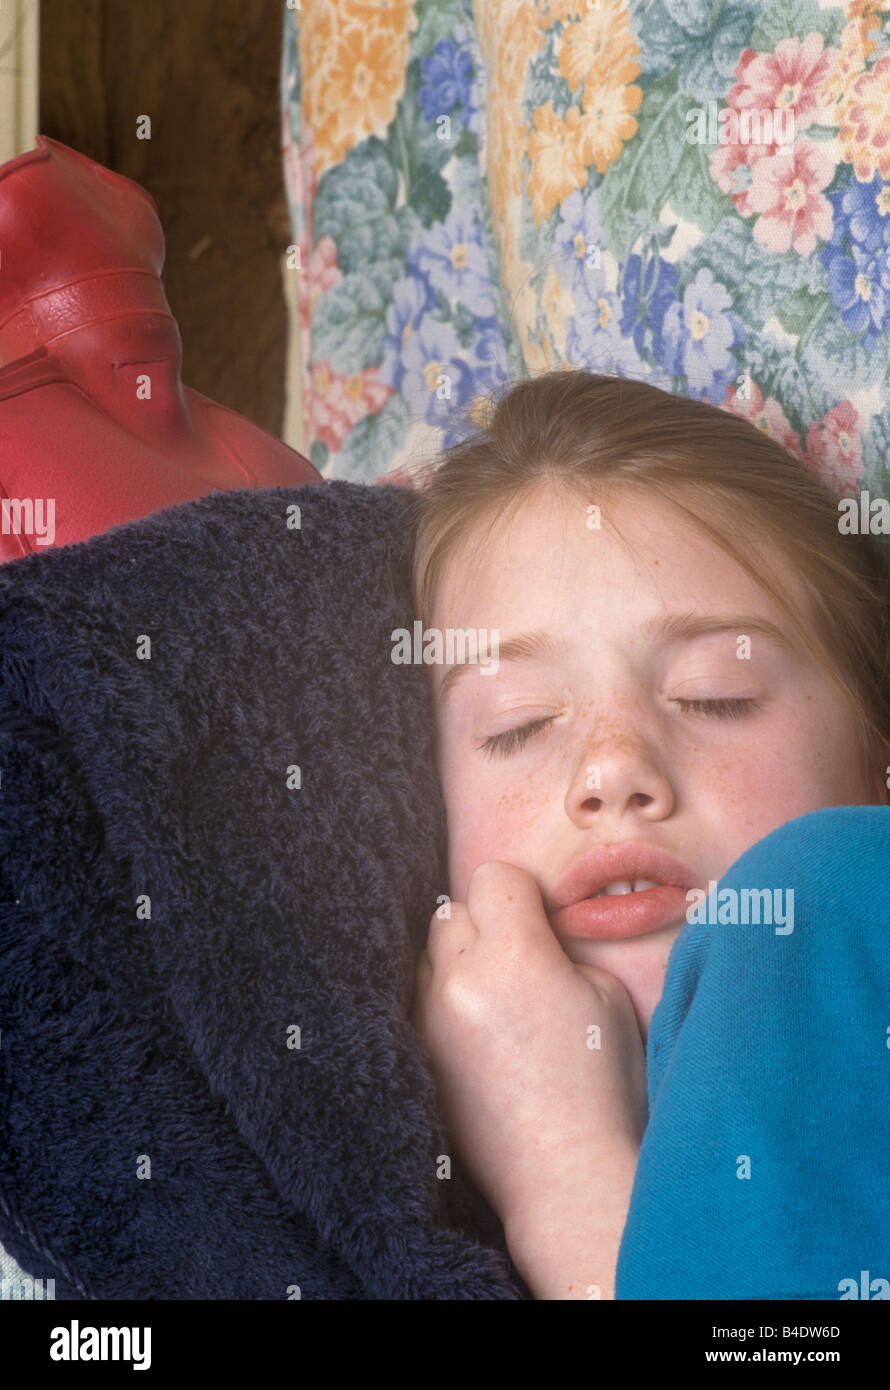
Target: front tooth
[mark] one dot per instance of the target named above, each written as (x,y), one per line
(641,884)
(619,886)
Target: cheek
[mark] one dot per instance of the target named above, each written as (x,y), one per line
(751,789)
(788,769)
(486,819)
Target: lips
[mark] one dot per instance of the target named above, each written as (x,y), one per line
(574,911)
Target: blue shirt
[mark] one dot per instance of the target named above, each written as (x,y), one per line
(765,1167)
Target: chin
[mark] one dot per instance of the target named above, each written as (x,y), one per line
(639,962)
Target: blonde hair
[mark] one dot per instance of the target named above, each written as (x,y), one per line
(584,431)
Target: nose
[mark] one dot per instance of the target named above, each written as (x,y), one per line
(619,776)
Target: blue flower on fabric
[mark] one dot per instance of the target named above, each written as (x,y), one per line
(454,260)
(447,81)
(489,360)
(487,368)
(860,288)
(595,342)
(648,294)
(577,247)
(700,332)
(411,298)
(862,211)
(439,379)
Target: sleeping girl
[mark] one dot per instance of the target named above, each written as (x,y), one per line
(690,654)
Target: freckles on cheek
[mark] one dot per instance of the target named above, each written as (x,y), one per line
(754,791)
(518,803)
(486,823)
(501,822)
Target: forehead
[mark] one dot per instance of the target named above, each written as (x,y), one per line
(551,558)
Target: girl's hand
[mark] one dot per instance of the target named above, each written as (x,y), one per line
(539,1062)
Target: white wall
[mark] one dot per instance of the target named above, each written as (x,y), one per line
(293,430)
(19,48)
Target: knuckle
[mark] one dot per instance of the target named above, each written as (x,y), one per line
(489,873)
(609,988)
(459,996)
(457,912)
(488,886)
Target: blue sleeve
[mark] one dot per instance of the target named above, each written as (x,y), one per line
(765,1167)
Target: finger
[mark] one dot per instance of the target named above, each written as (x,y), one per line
(612,992)
(504,898)
(451,934)
(615,999)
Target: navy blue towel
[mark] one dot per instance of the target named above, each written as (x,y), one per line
(221,841)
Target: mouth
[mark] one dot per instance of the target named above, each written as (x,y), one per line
(621,890)
(613,916)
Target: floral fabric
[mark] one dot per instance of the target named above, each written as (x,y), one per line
(690,194)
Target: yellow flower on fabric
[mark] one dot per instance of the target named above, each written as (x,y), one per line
(524,303)
(863,132)
(597,46)
(608,124)
(506,147)
(857,45)
(557,150)
(539,355)
(509,39)
(558,305)
(481,411)
(317,24)
(562,11)
(855,8)
(354,71)
(397,15)
(316,42)
(518,41)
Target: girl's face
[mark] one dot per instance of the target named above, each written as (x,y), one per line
(703,782)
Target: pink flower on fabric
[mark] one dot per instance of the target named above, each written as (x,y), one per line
(790,78)
(786,191)
(322,274)
(416,476)
(339,402)
(299,164)
(723,163)
(318,272)
(397,477)
(834,450)
(767,85)
(767,416)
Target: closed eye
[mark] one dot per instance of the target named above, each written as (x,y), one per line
(511,740)
(721,709)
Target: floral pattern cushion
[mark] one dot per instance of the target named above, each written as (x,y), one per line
(687,193)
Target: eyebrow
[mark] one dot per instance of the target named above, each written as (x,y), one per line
(539,644)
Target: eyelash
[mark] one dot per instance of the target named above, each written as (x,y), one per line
(511,740)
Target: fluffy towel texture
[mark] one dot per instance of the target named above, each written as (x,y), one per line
(774,1047)
(270,906)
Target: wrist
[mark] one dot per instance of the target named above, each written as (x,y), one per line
(564,1233)
(578,1170)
